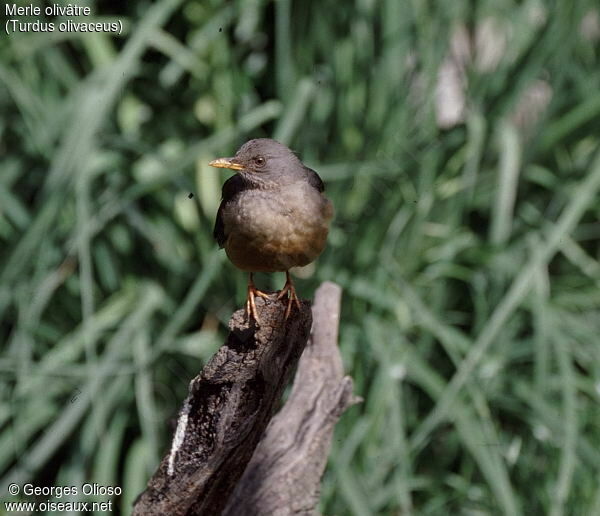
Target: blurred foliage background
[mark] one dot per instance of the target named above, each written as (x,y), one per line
(459,142)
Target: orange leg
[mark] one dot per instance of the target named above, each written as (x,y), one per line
(293,298)
(251,311)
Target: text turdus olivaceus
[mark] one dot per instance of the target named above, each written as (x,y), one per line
(273,215)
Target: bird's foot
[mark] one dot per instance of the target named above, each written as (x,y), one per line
(292,298)
(251,311)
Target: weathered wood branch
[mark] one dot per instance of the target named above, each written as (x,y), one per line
(284,475)
(230,405)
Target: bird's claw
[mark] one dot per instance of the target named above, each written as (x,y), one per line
(288,290)
(292,298)
(251,310)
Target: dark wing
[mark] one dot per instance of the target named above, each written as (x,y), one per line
(314,179)
(219,230)
(231,188)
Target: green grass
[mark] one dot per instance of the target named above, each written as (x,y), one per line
(469,253)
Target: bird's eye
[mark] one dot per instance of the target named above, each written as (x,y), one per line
(259,161)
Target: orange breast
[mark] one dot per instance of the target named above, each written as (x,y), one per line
(269,234)
(275,254)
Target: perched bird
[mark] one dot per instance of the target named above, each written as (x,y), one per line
(273,215)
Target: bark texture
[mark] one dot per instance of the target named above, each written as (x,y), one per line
(230,405)
(284,475)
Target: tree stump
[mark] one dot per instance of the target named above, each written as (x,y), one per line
(216,464)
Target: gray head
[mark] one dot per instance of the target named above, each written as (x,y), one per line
(265,163)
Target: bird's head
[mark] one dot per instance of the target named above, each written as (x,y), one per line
(264,162)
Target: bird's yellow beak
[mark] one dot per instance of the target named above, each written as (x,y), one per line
(226,163)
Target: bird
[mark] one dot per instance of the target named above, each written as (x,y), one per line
(273,216)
